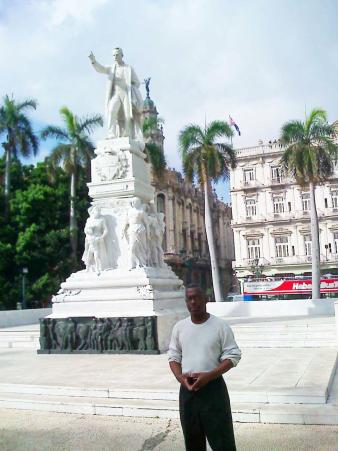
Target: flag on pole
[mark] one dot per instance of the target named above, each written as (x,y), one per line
(233,124)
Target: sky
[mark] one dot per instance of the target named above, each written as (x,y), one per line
(261,61)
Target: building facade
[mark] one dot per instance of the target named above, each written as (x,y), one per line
(185,243)
(271,217)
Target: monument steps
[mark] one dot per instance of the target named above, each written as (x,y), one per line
(277,395)
(242,412)
(13,338)
(270,333)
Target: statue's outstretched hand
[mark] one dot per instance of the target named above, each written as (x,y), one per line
(92,57)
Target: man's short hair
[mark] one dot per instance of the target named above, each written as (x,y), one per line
(194,285)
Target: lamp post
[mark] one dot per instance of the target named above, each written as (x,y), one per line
(24,273)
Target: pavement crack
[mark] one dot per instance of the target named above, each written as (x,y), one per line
(153,441)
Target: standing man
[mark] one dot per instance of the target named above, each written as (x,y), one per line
(124,101)
(202,348)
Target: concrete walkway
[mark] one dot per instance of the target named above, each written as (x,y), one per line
(31,431)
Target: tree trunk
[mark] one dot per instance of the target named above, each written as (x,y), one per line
(72,217)
(7,179)
(211,244)
(314,244)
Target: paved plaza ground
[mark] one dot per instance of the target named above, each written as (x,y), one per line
(39,431)
(284,397)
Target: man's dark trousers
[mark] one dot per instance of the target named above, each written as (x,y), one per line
(206,413)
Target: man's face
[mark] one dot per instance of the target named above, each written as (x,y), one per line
(195,300)
(117,54)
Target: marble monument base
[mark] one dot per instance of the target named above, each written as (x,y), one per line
(117,311)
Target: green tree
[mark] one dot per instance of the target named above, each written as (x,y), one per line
(20,138)
(74,153)
(309,157)
(209,160)
(155,155)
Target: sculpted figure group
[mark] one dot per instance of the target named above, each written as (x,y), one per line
(142,230)
(97,334)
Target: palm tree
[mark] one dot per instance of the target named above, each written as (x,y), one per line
(209,160)
(309,157)
(155,155)
(20,137)
(74,153)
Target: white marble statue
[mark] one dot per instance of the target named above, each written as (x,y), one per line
(135,231)
(95,253)
(159,232)
(155,236)
(152,248)
(124,101)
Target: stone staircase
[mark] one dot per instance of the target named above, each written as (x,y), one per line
(20,337)
(294,332)
(164,404)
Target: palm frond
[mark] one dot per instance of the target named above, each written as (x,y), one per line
(218,129)
(191,163)
(60,153)
(90,123)
(53,131)
(312,151)
(317,115)
(228,154)
(28,142)
(150,124)
(70,120)
(292,131)
(156,158)
(190,137)
(27,104)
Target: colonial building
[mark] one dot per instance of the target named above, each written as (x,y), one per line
(271,219)
(185,244)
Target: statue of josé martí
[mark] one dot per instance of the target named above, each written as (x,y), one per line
(124,103)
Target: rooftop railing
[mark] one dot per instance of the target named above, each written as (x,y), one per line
(260,150)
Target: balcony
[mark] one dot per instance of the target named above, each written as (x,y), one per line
(327,212)
(284,261)
(300,214)
(262,149)
(278,181)
(251,184)
(249,262)
(329,258)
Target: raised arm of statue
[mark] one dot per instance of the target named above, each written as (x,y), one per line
(97,66)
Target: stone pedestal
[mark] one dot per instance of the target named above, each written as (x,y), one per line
(127,299)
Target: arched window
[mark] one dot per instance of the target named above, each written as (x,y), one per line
(161,203)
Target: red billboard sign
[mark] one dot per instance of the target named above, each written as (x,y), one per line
(294,286)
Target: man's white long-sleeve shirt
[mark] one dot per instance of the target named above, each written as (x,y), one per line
(201,347)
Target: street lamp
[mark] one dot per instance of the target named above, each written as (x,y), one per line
(23,293)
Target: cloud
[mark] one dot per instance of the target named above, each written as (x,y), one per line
(259,61)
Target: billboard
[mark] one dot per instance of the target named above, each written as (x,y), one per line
(294,286)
